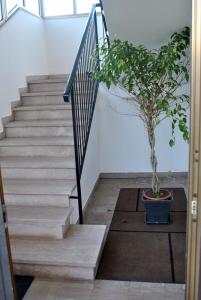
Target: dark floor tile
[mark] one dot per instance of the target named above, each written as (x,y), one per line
(136,257)
(135,221)
(127,200)
(178,241)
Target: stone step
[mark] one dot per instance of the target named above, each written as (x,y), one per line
(43,112)
(60,79)
(48,85)
(31,173)
(43,128)
(38,141)
(39,162)
(47,80)
(42,98)
(50,98)
(38,200)
(38,187)
(22,167)
(37,147)
(30,151)
(34,222)
(74,257)
(47,77)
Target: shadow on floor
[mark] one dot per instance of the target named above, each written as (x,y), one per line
(22,285)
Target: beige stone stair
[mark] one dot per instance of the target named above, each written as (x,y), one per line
(38,170)
(42,128)
(74,257)
(42,98)
(43,112)
(36,221)
(47,85)
(38,186)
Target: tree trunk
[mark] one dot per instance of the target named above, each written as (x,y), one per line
(153,159)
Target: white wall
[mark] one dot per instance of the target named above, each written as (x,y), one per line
(148,22)
(63,36)
(22,53)
(91,169)
(123,140)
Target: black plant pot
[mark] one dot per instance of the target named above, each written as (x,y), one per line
(157,211)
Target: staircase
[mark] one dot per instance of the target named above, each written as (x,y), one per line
(38,169)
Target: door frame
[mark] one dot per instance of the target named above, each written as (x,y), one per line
(194,206)
(7,283)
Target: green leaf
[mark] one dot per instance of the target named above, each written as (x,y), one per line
(171,143)
(154,77)
(158,121)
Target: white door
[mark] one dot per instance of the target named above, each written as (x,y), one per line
(194,212)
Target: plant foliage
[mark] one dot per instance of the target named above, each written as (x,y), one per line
(154,78)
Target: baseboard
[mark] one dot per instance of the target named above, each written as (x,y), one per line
(141,174)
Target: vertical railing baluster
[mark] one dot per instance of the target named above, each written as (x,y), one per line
(78,174)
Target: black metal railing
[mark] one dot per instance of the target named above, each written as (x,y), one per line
(105,29)
(81,91)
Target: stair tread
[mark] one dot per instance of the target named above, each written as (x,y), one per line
(48,80)
(37,162)
(47,93)
(40,123)
(81,248)
(38,186)
(47,77)
(38,141)
(43,107)
(56,215)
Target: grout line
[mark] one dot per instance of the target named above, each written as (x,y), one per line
(138,199)
(125,211)
(144,231)
(143,211)
(171,258)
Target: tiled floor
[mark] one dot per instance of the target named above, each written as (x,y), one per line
(101,206)
(100,211)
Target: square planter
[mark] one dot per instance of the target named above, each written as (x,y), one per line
(157,211)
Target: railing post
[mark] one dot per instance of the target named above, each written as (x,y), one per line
(78,175)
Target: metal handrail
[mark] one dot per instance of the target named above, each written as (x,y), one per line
(81,90)
(72,75)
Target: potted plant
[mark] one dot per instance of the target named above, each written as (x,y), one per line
(154,79)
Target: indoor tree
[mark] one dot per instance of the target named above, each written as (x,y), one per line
(154,79)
